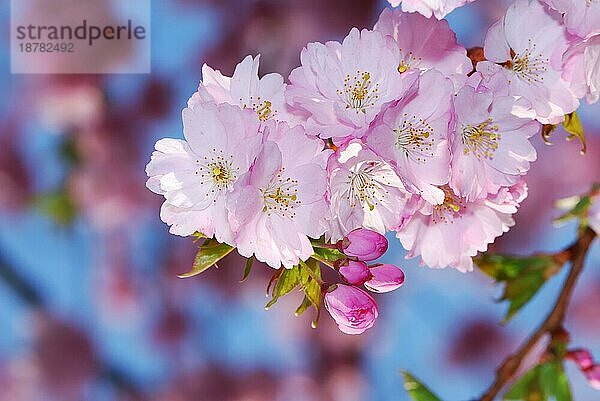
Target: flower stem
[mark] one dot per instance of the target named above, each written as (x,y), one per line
(553,322)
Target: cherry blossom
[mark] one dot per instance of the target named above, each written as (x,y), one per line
(364,244)
(342,86)
(354,272)
(438,8)
(527,47)
(365,191)
(413,135)
(424,43)
(452,233)
(582,68)
(265,96)
(384,278)
(582,18)
(491,146)
(353,309)
(280,202)
(197,175)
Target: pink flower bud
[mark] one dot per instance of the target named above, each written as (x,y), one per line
(593,376)
(353,309)
(385,278)
(363,244)
(581,357)
(354,272)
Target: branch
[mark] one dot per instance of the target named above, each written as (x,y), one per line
(575,253)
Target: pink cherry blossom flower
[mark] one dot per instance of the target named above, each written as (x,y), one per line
(527,47)
(363,244)
(582,357)
(342,87)
(582,18)
(265,96)
(413,134)
(582,68)
(594,214)
(424,43)
(384,278)
(439,8)
(354,272)
(365,191)
(491,146)
(353,309)
(452,233)
(280,202)
(197,175)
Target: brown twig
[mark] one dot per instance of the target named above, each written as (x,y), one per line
(576,253)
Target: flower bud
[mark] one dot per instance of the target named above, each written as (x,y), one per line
(385,278)
(581,357)
(353,309)
(363,244)
(593,376)
(354,272)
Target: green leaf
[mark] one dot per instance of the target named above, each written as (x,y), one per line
(544,382)
(57,205)
(198,236)
(327,256)
(573,126)
(286,282)
(209,253)
(417,390)
(247,269)
(311,281)
(310,278)
(306,303)
(522,276)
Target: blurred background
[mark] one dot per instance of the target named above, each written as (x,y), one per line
(90,306)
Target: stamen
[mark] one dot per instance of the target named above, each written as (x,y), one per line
(529,65)
(281,196)
(481,139)
(408,61)
(365,184)
(414,137)
(450,210)
(359,92)
(263,108)
(218,170)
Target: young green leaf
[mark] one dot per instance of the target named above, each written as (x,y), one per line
(209,253)
(544,382)
(417,390)
(573,126)
(311,281)
(247,269)
(310,278)
(327,256)
(522,276)
(286,282)
(306,303)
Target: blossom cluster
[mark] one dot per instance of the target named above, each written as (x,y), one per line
(394,129)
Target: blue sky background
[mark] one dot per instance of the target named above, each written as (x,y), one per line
(417,324)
